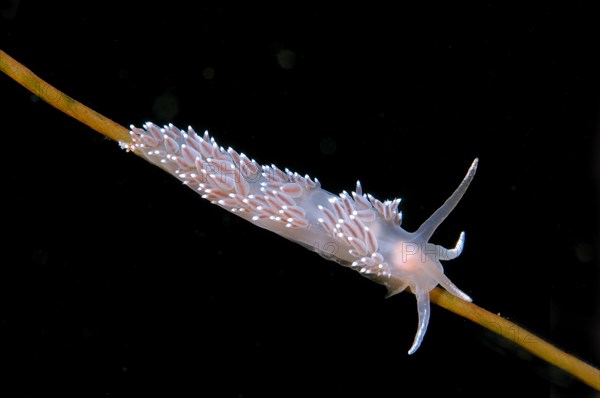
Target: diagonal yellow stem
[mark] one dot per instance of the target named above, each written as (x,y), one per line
(505,328)
(61,101)
(522,337)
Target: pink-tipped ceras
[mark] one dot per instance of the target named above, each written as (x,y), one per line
(355,230)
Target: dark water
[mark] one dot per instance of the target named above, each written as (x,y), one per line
(116,281)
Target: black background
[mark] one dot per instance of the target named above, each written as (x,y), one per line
(117,281)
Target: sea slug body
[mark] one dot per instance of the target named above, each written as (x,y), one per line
(354,229)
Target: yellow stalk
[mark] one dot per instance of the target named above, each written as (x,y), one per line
(61,101)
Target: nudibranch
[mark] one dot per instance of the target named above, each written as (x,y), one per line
(354,229)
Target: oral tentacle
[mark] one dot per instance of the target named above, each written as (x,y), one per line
(424,311)
(437,275)
(430,225)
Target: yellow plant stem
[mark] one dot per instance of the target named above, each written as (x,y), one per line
(61,101)
(522,337)
(505,328)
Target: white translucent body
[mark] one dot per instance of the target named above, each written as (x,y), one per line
(355,230)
